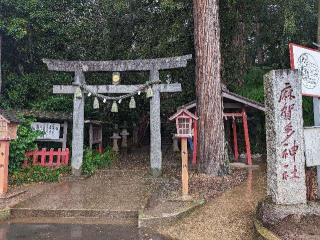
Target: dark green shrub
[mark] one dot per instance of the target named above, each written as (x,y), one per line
(94,160)
(25,142)
(35,174)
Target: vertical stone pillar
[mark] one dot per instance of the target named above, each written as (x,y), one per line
(285,147)
(155,127)
(78,127)
(316,113)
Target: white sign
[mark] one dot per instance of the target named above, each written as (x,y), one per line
(51,130)
(307,60)
(312,146)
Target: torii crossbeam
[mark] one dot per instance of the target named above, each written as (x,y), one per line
(151,65)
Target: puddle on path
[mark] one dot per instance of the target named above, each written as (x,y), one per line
(26,231)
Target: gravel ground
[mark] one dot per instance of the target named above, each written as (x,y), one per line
(293,227)
(229,216)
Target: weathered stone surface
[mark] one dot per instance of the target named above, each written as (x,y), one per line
(78,128)
(119,65)
(285,147)
(155,127)
(270,214)
(312,146)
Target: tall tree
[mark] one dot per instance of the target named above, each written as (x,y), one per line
(208,86)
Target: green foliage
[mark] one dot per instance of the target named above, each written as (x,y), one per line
(35,174)
(94,160)
(35,91)
(25,142)
(254,38)
(253,89)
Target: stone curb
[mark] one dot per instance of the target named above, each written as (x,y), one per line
(98,213)
(264,233)
(149,221)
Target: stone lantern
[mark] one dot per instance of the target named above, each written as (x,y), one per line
(115,137)
(124,134)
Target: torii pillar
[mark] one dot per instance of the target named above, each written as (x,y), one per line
(153,66)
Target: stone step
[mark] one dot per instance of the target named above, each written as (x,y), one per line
(87,213)
(74,220)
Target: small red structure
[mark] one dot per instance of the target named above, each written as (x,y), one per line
(244,117)
(49,158)
(235,106)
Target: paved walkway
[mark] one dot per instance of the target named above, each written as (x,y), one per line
(113,190)
(229,216)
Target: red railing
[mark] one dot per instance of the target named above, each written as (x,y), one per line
(51,158)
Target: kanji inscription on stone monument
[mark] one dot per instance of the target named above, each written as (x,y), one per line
(285,147)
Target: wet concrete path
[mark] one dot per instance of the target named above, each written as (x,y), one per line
(229,216)
(27,231)
(112,190)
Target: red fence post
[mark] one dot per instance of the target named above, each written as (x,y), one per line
(35,157)
(59,155)
(246,137)
(67,156)
(51,157)
(235,140)
(43,157)
(63,157)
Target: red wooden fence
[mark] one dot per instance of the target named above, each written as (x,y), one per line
(51,158)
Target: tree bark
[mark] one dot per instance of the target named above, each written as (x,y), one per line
(0,62)
(208,87)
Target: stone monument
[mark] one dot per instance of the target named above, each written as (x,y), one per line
(285,146)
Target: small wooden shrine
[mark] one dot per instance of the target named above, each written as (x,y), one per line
(235,107)
(8,125)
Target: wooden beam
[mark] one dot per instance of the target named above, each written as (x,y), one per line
(232,105)
(118,65)
(185,173)
(116,89)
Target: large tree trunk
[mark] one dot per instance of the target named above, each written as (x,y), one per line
(208,87)
(0,62)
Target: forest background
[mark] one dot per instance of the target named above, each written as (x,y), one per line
(254,39)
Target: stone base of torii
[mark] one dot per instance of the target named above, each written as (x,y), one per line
(153,66)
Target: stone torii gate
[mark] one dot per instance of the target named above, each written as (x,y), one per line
(153,66)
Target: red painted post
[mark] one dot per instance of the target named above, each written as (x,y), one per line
(235,140)
(59,157)
(4,163)
(100,148)
(35,157)
(43,157)
(51,157)
(67,157)
(195,142)
(246,137)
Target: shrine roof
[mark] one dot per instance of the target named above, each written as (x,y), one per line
(45,115)
(229,97)
(181,112)
(10,116)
